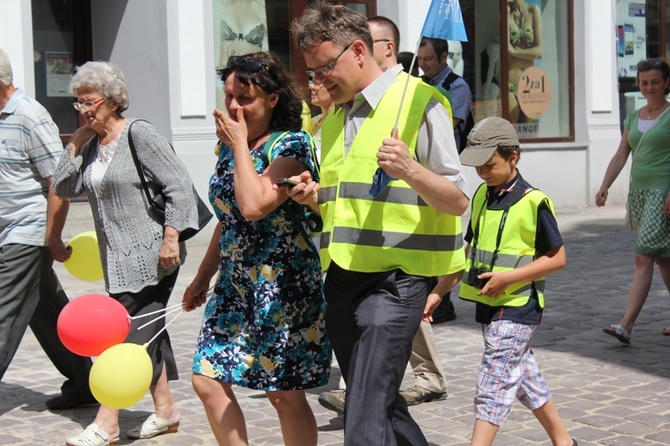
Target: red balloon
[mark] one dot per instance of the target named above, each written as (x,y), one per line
(90,324)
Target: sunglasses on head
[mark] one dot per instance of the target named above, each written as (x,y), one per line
(651,64)
(248,64)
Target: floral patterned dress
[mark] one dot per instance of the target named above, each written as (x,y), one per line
(264,326)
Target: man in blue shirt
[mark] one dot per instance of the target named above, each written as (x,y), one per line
(432,57)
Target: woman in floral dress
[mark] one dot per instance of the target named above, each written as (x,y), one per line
(264,327)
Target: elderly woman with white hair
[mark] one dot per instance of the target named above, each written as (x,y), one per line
(140,252)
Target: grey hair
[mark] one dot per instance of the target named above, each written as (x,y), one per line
(6,74)
(104,77)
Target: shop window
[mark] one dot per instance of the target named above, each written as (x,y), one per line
(61,41)
(517,59)
(263,25)
(641,33)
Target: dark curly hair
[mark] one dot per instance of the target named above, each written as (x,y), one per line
(268,73)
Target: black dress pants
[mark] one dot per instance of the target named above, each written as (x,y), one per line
(371,320)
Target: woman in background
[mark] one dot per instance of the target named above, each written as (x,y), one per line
(647,130)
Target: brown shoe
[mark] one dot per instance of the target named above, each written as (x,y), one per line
(417,395)
(333,400)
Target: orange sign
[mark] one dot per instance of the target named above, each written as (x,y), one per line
(534,92)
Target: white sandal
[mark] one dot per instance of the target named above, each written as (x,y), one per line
(93,435)
(618,332)
(152,426)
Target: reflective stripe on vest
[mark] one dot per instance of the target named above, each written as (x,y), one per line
(396,229)
(517,247)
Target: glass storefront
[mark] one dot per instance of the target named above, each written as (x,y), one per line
(520,52)
(60,42)
(516,60)
(642,32)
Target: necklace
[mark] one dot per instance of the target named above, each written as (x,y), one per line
(656,113)
(255,140)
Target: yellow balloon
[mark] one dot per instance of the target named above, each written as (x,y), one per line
(121,376)
(84,263)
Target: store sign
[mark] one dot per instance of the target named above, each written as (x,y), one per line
(59,73)
(534,92)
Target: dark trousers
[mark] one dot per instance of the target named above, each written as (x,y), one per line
(149,299)
(371,320)
(30,294)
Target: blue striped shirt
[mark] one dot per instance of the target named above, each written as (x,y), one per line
(29,152)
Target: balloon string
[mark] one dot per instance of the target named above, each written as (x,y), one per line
(146,345)
(171,307)
(172,310)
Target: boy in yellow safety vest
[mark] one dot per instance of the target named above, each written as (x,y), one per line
(513,243)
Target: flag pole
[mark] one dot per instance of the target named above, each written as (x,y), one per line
(404,91)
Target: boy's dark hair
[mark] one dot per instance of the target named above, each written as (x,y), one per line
(505,152)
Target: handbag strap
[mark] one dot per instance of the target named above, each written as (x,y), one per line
(138,165)
(639,143)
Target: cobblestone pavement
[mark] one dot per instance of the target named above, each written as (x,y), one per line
(607,393)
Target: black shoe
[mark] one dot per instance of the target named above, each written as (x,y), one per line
(445,311)
(61,402)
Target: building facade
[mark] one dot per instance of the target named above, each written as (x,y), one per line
(550,66)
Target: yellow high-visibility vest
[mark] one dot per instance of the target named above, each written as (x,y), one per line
(516,247)
(396,229)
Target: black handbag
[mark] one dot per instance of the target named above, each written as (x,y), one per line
(157,202)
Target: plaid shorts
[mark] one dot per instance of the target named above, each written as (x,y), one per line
(508,370)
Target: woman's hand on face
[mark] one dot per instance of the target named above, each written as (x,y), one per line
(79,138)
(233,132)
(169,255)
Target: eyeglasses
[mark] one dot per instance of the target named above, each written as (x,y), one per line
(325,70)
(381,40)
(248,64)
(79,106)
(650,64)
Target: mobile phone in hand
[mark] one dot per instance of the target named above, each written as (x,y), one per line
(287,182)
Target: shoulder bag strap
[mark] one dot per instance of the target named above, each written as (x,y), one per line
(639,143)
(138,165)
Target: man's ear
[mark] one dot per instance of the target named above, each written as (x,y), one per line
(359,49)
(443,58)
(390,48)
